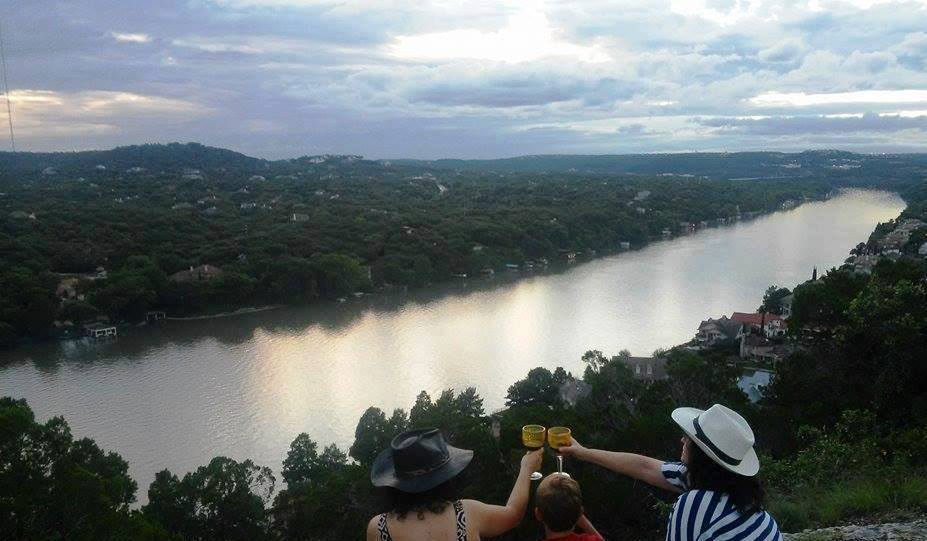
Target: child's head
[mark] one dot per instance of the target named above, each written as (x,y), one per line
(558,503)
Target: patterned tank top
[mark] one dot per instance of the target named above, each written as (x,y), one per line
(461,518)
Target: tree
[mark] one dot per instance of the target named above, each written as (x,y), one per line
(222,501)
(539,387)
(372,435)
(53,487)
(772,299)
(595,360)
(301,462)
(333,510)
(883,347)
(339,275)
(700,381)
(78,312)
(613,389)
(39,315)
(469,404)
(824,302)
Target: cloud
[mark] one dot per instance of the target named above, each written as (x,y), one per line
(290,77)
(786,51)
(793,125)
(527,36)
(130,38)
(912,49)
(42,114)
(801,99)
(723,13)
(217,45)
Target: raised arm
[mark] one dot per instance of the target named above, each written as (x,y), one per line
(493,520)
(637,466)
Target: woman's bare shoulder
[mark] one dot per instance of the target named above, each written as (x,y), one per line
(372,533)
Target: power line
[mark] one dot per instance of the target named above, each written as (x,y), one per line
(6,93)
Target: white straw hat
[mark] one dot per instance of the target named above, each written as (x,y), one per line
(723,434)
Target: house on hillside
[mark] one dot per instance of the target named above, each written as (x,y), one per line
(762,349)
(574,390)
(712,331)
(785,305)
(862,264)
(297,217)
(898,237)
(197,274)
(770,325)
(649,369)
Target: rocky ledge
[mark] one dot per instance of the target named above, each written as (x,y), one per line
(894,531)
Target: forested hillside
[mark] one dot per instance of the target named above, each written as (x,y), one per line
(298,230)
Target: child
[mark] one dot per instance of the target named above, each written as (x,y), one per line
(559,506)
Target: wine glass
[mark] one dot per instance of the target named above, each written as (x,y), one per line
(557,437)
(532,437)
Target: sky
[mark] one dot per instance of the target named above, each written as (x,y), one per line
(467,79)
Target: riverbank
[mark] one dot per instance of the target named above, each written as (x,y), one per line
(238,312)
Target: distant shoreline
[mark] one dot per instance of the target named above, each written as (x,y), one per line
(240,311)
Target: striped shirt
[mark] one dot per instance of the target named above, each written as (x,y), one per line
(706,515)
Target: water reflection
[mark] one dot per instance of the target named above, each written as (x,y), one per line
(176,394)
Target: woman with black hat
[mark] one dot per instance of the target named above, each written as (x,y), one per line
(419,469)
(721,497)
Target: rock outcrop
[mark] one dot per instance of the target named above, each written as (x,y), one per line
(894,531)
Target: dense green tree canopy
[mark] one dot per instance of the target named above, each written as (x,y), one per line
(294,231)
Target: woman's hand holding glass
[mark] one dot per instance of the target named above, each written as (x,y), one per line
(532,437)
(574,449)
(532,461)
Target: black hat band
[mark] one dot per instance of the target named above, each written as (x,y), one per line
(727,459)
(423,471)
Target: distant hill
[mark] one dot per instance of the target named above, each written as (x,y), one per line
(171,157)
(837,165)
(709,164)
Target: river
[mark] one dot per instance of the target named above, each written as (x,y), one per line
(176,394)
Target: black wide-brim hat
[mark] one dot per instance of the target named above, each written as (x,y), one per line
(418,460)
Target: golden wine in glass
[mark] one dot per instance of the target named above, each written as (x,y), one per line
(557,437)
(532,437)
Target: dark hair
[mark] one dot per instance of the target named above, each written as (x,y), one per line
(560,502)
(433,500)
(746,493)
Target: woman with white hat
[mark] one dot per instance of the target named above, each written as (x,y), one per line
(420,472)
(721,497)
